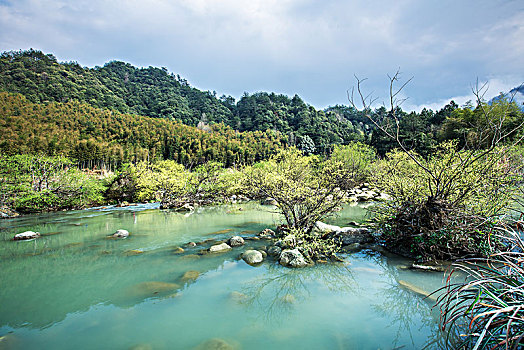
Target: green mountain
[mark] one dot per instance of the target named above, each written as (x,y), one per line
(155,92)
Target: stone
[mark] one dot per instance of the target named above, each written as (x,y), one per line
(264,254)
(190,275)
(141,347)
(266,234)
(26,235)
(236,241)
(269,201)
(436,268)
(289,299)
(416,290)
(191,244)
(351,235)
(354,247)
(178,250)
(185,208)
(252,257)
(121,234)
(238,297)
(219,248)
(134,252)
(274,251)
(344,235)
(292,258)
(215,344)
(148,289)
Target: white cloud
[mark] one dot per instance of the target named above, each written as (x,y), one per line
(309,47)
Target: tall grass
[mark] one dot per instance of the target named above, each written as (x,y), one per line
(486,309)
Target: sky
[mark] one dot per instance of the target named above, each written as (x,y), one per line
(310,48)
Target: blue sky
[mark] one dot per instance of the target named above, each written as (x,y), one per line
(304,47)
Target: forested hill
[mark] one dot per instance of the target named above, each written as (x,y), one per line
(155,92)
(105,138)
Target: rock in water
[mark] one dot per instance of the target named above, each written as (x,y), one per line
(267,234)
(274,251)
(292,258)
(121,234)
(252,257)
(26,235)
(214,344)
(149,289)
(219,248)
(236,241)
(191,275)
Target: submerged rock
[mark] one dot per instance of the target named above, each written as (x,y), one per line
(121,234)
(288,299)
(238,297)
(141,347)
(416,290)
(148,289)
(26,235)
(292,258)
(236,241)
(190,275)
(134,252)
(178,250)
(191,244)
(215,344)
(252,257)
(219,248)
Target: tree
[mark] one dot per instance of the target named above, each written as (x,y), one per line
(442,206)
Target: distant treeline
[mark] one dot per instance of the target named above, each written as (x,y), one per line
(106,138)
(121,89)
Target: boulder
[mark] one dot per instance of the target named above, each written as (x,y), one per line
(292,258)
(26,235)
(121,234)
(236,241)
(344,235)
(267,234)
(252,257)
(219,248)
(269,201)
(274,251)
(263,252)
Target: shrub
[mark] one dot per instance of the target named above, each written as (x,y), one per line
(445,205)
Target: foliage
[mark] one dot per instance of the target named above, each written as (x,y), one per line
(109,139)
(354,160)
(443,206)
(40,183)
(305,189)
(483,125)
(488,306)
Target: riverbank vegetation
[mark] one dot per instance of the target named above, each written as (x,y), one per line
(73,137)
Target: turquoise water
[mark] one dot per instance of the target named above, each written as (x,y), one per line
(74,288)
